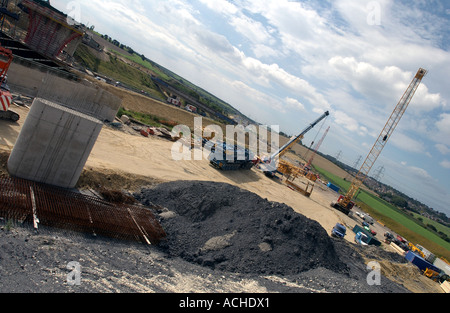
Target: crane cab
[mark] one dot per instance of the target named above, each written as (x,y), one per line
(340,205)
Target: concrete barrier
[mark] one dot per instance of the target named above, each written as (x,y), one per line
(54,144)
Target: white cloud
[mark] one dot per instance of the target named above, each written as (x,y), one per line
(342,119)
(443,129)
(443,149)
(254,31)
(386,84)
(445,164)
(221,6)
(293,103)
(419,173)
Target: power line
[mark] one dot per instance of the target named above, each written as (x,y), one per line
(379,173)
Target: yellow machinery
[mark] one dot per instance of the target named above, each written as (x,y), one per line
(344,203)
(291,172)
(416,250)
(435,276)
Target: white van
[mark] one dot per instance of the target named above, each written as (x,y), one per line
(368,219)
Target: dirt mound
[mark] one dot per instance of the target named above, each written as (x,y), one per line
(224,227)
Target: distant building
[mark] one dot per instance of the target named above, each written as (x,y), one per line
(174,101)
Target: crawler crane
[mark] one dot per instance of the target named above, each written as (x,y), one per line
(344,203)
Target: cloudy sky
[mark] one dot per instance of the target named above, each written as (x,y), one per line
(285,62)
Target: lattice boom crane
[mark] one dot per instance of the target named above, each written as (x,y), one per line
(345,203)
(316,148)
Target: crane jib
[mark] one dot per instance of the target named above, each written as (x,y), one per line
(380,143)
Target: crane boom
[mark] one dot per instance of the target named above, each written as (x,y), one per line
(269,165)
(382,138)
(316,148)
(294,140)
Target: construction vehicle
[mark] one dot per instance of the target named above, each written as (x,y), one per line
(234,157)
(438,277)
(345,203)
(416,250)
(339,230)
(6,58)
(241,158)
(269,165)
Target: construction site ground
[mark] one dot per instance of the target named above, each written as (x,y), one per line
(123,159)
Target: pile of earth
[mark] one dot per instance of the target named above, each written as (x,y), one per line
(223,227)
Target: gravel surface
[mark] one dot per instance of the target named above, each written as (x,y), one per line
(215,244)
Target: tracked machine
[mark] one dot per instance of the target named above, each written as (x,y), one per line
(232,157)
(6,58)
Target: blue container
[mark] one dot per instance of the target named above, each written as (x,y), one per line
(333,187)
(420,262)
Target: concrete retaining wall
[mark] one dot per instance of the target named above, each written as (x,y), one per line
(25,76)
(36,80)
(54,144)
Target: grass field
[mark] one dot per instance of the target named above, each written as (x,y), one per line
(117,70)
(400,222)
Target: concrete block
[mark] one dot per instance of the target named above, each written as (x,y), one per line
(54,144)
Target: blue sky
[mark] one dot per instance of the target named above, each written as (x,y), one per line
(285,62)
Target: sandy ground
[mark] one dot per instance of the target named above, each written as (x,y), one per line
(129,161)
(152,157)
